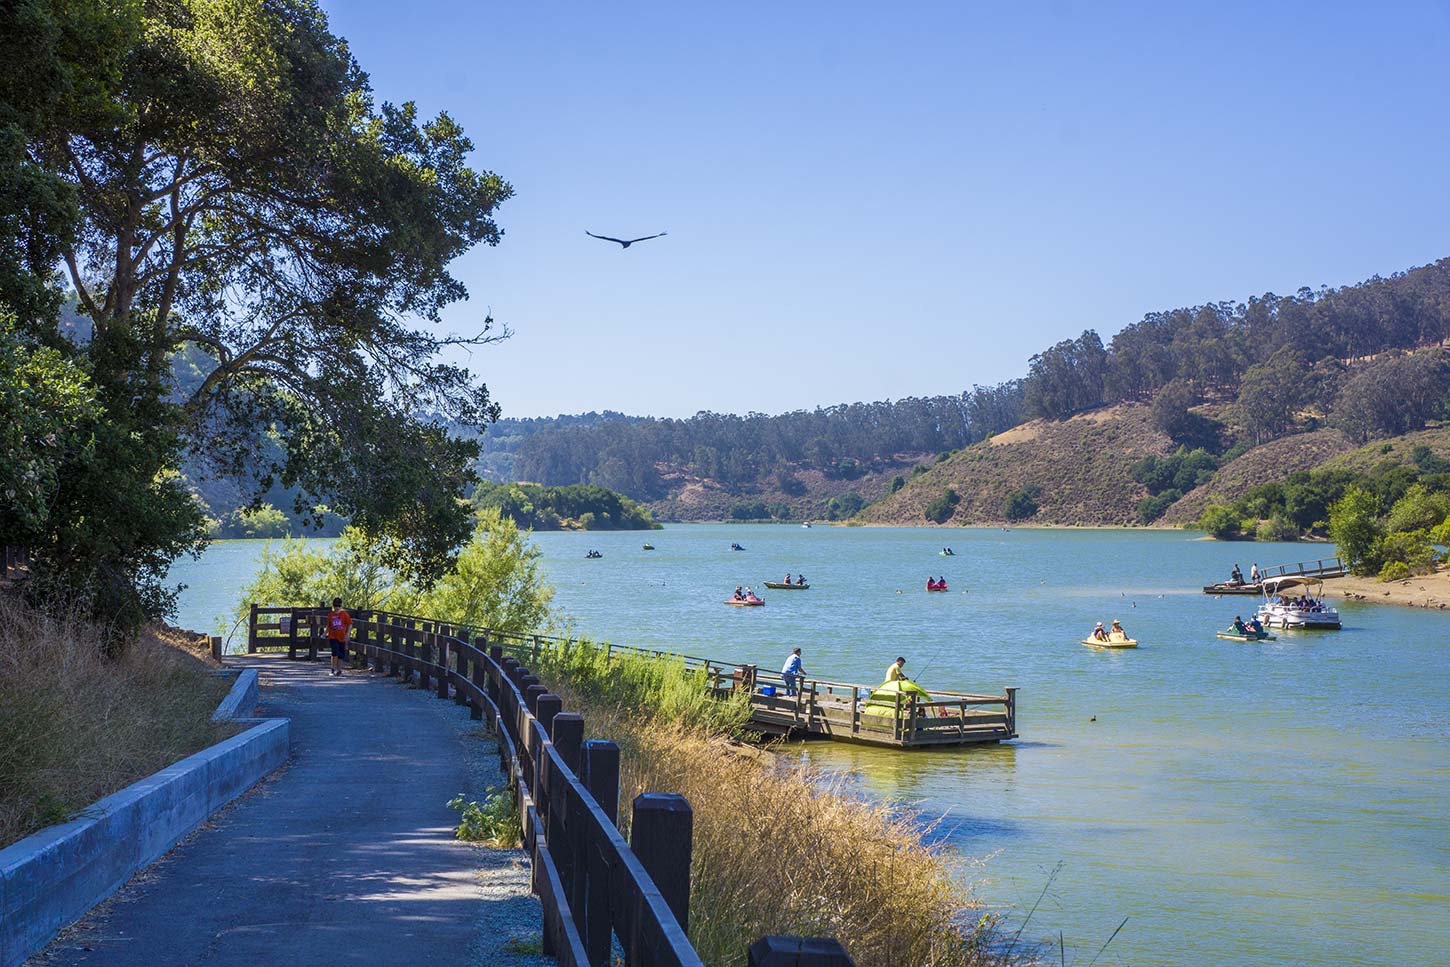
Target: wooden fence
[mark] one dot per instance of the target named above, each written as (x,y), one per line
(593,886)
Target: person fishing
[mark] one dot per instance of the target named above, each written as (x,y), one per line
(792,672)
(894,671)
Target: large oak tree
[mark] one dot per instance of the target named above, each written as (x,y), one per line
(237,190)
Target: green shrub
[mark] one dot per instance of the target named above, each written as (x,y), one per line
(1220,522)
(897,482)
(1021,503)
(1277,528)
(750,510)
(1355,529)
(495,822)
(1151,508)
(1395,571)
(940,509)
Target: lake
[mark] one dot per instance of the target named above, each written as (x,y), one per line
(1282,802)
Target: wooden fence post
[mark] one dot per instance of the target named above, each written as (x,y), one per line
(292,634)
(531,695)
(601,778)
(460,663)
(252,631)
(546,706)
(661,834)
(443,651)
(601,775)
(1011,709)
(481,688)
(425,658)
(798,952)
(567,731)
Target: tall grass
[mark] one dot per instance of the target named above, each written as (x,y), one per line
(76,725)
(778,848)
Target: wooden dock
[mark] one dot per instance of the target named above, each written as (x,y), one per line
(814,709)
(1319,570)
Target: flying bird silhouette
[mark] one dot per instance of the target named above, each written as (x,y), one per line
(622,242)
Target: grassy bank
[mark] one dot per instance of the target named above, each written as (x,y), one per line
(778,849)
(76,726)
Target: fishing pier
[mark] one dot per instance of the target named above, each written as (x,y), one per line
(1320,570)
(806,708)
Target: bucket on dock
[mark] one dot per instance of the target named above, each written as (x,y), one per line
(768,691)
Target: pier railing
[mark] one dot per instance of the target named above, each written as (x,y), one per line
(1331,567)
(805,707)
(594,887)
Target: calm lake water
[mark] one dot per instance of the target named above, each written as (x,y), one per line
(1281,802)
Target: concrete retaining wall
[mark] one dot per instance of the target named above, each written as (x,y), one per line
(51,879)
(241,701)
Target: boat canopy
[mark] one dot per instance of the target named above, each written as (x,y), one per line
(1274,585)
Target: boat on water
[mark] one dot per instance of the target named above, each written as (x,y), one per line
(1114,640)
(806,526)
(947,552)
(649,547)
(1234,587)
(748,602)
(1231,635)
(736,547)
(593,556)
(1296,612)
(782,586)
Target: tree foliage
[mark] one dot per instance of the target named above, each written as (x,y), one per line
(217,179)
(536,507)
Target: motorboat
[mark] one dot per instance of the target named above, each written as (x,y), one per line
(649,547)
(1299,612)
(782,586)
(806,526)
(736,547)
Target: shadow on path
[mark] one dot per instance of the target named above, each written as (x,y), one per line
(345,856)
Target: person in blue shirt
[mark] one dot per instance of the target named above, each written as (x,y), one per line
(792,671)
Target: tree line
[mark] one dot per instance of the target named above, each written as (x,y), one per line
(1272,356)
(626,456)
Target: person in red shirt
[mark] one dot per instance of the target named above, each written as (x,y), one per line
(339,623)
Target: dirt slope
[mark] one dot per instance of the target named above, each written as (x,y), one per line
(1080,467)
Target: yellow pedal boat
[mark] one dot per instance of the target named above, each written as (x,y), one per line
(1113,641)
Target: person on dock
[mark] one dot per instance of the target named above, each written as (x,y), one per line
(1254,572)
(339,623)
(792,672)
(1237,577)
(894,671)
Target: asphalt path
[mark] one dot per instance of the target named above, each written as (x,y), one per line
(344,856)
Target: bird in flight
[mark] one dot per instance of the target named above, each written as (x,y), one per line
(622,242)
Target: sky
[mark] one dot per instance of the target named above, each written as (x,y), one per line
(872,201)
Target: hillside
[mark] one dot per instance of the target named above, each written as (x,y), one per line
(1272,461)
(1400,450)
(1079,467)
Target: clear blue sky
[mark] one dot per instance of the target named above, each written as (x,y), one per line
(871,201)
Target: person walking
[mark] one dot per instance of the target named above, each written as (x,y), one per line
(1254,572)
(792,672)
(339,623)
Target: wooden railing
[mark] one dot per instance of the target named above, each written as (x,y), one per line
(1331,567)
(818,706)
(593,886)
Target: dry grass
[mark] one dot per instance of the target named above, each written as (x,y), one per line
(780,849)
(76,726)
